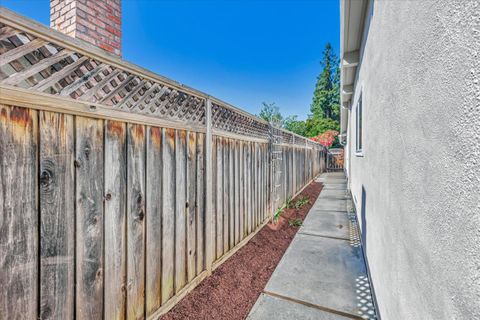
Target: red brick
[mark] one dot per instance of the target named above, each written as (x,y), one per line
(70,29)
(85,9)
(84,37)
(114,31)
(92,4)
(70,14)
(65,9)
(115,19)
(87,24)
(114,44)
(54,16)
(104,32)
(98,22)
(82,14)
(58,7)
(106,47)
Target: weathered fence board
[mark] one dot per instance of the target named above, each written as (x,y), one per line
(168,214)
(89,218)
(153,192)
(191,205)
(18,216)
(231,192)
(259,191)
(57,242)
(263,182)
(251,187)
(241,175)
(219,197)
(226,194)
(254,186)
(237,192)
(200,203)
(135,220)
(180,210)
(115,220)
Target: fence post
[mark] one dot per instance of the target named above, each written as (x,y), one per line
(209,227)
(294,169)
(307,176)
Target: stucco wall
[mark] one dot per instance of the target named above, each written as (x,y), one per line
(420,76)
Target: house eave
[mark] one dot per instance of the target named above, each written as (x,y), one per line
(352,20)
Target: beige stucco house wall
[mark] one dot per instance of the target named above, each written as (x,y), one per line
(415,65)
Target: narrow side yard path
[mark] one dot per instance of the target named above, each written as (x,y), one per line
(323,273)
(231,291)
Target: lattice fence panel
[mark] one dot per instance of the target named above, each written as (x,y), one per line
(29,62)
(228,120)
(32,63)
(287,137)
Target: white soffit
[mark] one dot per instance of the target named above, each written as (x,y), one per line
(352,17)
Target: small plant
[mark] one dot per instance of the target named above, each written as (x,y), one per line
(289,203)
(277,214)
(295,222)
(301,202)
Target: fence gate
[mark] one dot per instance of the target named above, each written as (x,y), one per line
(335,159)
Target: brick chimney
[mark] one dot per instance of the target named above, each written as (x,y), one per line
(95,21)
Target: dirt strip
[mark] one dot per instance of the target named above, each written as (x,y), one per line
(231,291)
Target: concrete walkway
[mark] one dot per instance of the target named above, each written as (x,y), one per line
(322,274)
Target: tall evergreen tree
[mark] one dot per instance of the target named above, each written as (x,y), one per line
(326,98)
(325,107)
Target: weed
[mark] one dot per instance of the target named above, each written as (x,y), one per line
(301,202)
(289,203)
(277,214)
(295,222)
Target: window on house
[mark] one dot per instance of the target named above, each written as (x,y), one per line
(359,125)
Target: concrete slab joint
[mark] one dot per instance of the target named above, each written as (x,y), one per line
(323,274)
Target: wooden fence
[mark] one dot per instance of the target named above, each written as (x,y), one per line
(119,194)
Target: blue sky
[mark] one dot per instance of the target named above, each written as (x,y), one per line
(243,52)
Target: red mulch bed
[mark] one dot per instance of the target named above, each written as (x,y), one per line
(232,289)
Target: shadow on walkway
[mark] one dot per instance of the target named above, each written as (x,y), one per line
(323,273)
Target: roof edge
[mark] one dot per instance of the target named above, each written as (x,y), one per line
(352,22)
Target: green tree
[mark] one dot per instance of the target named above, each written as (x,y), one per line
(270,112)
(325,107)
(291,123)
(315,126)
(326,96)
